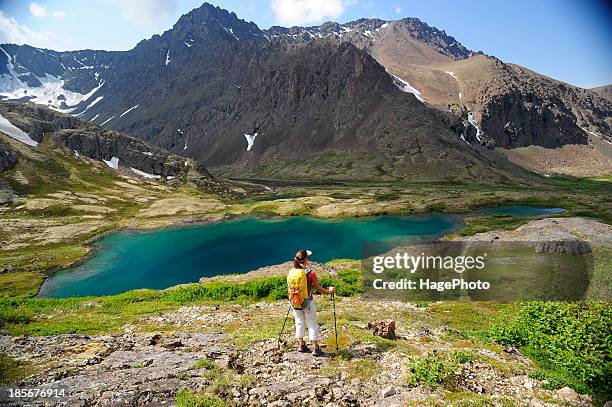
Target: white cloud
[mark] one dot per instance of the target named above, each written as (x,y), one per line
(298,12)
(398,9)
(144,12)
(37,10)
(13,32)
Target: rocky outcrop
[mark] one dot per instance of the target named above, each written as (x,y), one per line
(562,235)
(101,144)
(604,91)
(95,142)
(7,158)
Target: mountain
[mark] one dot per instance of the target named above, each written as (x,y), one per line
(514,106)
(366,99)
(30,123)
(604,91)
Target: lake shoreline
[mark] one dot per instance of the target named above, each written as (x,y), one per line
(457,218)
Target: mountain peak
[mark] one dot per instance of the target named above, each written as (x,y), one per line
(368,30)
(208,20)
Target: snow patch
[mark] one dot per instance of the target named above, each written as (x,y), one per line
(472,121)
(229,31)
(250,141)
(169,177)
(147,153)
(382,27)
(15,132)
(127,111)
(96,100)
(94,118)
(145,174)
(107,120)
(404,86)
(113,163)
(188,45)
(167,57)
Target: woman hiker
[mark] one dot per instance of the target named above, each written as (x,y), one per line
(301,281)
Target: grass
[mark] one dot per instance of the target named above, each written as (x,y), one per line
(13,370)
(189,398)
(436,369)
(41,259)
(20,315)
(470,399)
(480,224)
(22,283)
(471,318)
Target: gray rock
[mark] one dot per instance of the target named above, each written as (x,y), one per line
(568,394)
(388,392)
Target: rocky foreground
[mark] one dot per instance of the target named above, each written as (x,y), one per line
(148,368)
(231,351)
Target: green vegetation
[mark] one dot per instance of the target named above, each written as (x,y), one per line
(109,313)
(204,364)
(13,370)
(20,283)
(188,398)
(571,340)
(480,224)
(435,369)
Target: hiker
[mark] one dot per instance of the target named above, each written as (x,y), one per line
(300,282)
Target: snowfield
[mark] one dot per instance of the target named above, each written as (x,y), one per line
(15,132)
(113,163)
(404,86)
(47,94)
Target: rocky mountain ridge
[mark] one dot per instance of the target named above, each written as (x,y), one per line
(95,142)
(220,90)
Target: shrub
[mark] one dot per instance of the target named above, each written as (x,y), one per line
(187,398)
(573,339)
(434,369)
(204,364)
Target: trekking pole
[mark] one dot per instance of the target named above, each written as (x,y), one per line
(335,327)
(283,328)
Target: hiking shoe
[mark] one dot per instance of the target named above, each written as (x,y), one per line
(303,349)
(317,352)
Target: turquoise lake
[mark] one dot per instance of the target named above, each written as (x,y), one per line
(162,258)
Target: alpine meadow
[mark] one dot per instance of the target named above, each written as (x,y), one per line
(223,214)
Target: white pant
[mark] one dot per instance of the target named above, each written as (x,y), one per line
(303,316)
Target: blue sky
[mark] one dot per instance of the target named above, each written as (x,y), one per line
(565,39)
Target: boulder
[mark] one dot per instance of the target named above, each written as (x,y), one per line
(7,158)
(382,328)
(568,394)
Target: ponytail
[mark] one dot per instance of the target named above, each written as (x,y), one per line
(298,260)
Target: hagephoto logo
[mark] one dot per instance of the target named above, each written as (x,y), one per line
(477,270)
